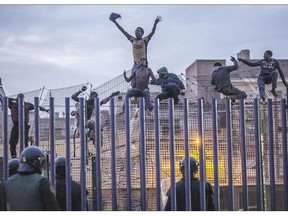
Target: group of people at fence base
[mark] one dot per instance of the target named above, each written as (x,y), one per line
(28,181)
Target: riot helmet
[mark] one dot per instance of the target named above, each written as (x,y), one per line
(13,165)
(60,164)
(31,160)
(193,166)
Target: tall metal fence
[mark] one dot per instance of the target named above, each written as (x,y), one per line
(131,159)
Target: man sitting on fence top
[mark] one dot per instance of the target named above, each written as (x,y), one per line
(268,73)
(221,80)
(141,89)
(171,85)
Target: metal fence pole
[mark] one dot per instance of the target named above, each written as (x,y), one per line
(215,155)
(68,158)
(21,121)
(36,120)
(83,142)
(243,155)
(271,155)
(230,155)
(128,154)
(52,141)
(113,155)
(97,136)
(284,151)
(5,139)
(187,156)
(143,157)
(172,154)
(157,154)
(202,155)
(259,174)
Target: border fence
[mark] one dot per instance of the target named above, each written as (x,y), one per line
(133,158)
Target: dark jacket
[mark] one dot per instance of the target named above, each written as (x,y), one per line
(195,196)
(221,76)
(170,79)
(29,192)
(61,194)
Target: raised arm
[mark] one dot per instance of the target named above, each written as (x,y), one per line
(113,18)
(234,67)
(76,94)
(128,79)
(105,100)
(157,20)
(251,64)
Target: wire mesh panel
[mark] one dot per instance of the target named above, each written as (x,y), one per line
(118,84)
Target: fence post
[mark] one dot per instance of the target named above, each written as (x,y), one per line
(83,142)
(21,120)
(230,155)
(68,157)
(243,155)
(128,153)
(5,139)
(202,155)
(36,120)
(284,151)
(215,155)
(187,156)
(271,155)
(157,154)
(143,157)
(113,155)
(97,136)
(52,141)
(259,173)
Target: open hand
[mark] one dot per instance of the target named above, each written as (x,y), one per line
(158,19)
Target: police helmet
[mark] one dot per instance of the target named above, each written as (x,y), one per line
(13,165)
(193,166)
(60,164)
(31,160)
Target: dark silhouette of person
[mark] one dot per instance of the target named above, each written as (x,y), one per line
(268,73)
(195,189)
(221,80)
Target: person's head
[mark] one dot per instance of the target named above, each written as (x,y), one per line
(13,165)
(268,55)
(60,164)
(217,64)
(193,166)
(93,95)
(139,32)
(143,62)
(31,160)
(163,72)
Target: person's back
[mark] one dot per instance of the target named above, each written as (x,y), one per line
(221,78)
(60,164)
(24,189)
(195,190)
(61,194)
(195,196)
(28,190)
(221,75)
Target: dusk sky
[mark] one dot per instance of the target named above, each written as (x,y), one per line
(58,46)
